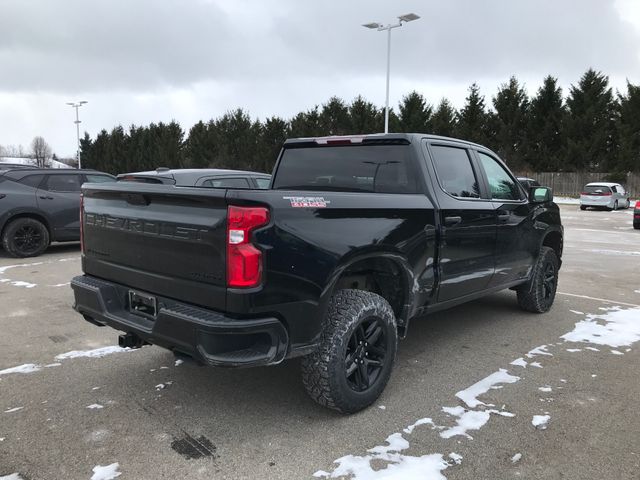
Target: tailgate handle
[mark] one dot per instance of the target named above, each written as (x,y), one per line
(136,199)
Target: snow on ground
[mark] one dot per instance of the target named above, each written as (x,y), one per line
(26,368)
(540,421)
(469,395)
(95,406)
(14,409)
(95,353)
(108,472)
(614,327)
(13,476)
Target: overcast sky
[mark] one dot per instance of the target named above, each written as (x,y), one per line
(142,61)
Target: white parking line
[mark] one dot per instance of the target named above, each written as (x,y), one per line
(599,299)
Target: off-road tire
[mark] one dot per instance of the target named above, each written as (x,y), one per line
(17,229)
(324,372)
(535,296)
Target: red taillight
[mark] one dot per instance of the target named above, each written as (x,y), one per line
(244,260)
(81,223)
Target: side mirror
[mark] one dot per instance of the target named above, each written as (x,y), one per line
(540,194)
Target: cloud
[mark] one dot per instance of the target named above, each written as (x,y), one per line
(151,60)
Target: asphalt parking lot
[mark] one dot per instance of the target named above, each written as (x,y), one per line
(69,407)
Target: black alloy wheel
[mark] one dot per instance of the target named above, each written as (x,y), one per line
(25,237)
(366,354)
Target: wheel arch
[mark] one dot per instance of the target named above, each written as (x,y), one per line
(554,239)
(13,216)
(385,273)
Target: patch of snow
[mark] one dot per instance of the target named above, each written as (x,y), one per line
(160,386)
(94,406)
(545,389)
(566,200)
(594,375)
(593,349)
(61,284)
(13,476)
(540,421)
(95,353)
(108,472)
(516,458)
(563,380)
(467,420)
(624,253)
(25,368)
(456,457)
(616,327)
(15,409)
(382,407)
(95,388)
(577,312)
(541,350)
(179,362)
(396,465)
(536,364)
(519,362)
(573,350)
(20,283)
(616,352)
(422,421)
(469,395)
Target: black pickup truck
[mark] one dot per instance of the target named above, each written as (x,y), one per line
(356,237)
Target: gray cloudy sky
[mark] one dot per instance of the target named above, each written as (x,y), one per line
(139,61)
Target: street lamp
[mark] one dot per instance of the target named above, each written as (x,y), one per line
(409,17)
(77,105)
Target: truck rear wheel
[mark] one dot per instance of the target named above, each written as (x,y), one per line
(538,294)
(25,237)
(357,350)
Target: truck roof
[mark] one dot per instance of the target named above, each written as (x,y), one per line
(374,138)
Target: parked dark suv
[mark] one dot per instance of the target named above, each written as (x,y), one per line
(40,206)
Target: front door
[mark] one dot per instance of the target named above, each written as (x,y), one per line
(515,232)
(467,224)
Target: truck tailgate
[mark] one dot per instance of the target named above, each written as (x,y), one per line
(162,239)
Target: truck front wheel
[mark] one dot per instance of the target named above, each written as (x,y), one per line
(538,294)
(357,350)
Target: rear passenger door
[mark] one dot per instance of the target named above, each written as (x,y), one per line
(467,222)
(515,244)
(59,196)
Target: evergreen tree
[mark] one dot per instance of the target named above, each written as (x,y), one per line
(201,146)
(363,117)
(472,119)
(590,124)
(306,124)
(443,121)
(334,117)
(629,130)
(546,139)
(238,141)
(415,114)
(274,132)
(509,122)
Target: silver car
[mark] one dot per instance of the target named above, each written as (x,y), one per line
(611,196)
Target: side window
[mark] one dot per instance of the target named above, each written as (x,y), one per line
(263,183)
(455,173)
(614,188)
(32,180)
(226,183)
(501,184)
(99,178)
(621,190)
(63,183)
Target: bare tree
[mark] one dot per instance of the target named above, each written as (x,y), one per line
(41,152)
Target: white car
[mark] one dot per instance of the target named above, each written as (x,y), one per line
(611,196)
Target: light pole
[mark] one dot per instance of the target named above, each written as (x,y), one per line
(379,27)
(77,105)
